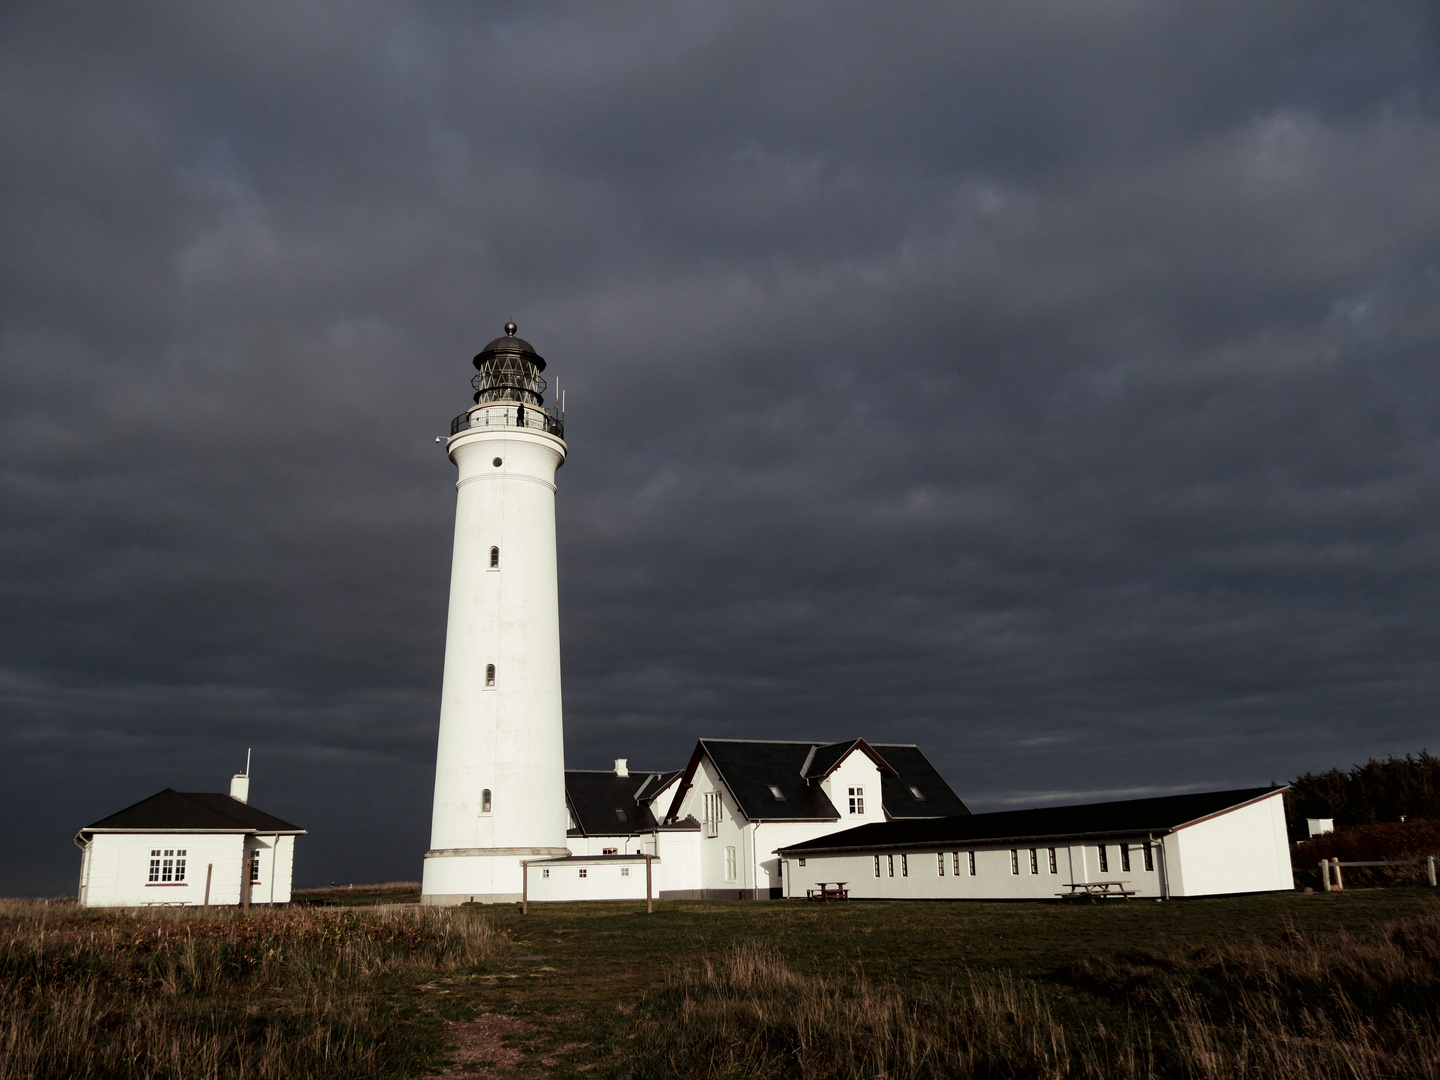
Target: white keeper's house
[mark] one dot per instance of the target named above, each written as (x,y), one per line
(744,819)
(188,849)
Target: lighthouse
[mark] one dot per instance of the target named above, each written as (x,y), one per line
(500,763)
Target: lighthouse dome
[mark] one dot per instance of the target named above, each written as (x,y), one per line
(509,346)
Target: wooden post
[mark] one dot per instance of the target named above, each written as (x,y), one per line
(244,879)
(1324,875)
(649,896)
(524,886)
(1430,869)
(1339,881)
(209,869)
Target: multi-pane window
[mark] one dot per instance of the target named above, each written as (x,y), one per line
(890,861)
(485,801)
(877,865)
(857,800)
(1149,856)
(955,862)
(904,865)
(494,558)
(1034,861)
(489,674)
(729,864)
(255,866)
(1125,857)
(714,809)
(1054,869)
(940,863)
(610,851)
(972,864)
(802,861)
(545,871)
(1104,860)
(624,871)
(167,864)
(1014,860)
(584,872)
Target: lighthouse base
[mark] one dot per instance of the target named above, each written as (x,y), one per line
(478,875)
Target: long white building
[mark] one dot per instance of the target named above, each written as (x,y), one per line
(1205,844)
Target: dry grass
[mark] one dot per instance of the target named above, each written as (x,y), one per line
(210,993)
(1317,1008)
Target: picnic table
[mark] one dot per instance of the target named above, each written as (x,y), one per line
(1096,890)
(825,891)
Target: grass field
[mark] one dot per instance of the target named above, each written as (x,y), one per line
(1278,986)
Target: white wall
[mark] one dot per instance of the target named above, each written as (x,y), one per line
(118,864)
(604,880)
(507,738)
(856,770)
(1241,850)
(994,878)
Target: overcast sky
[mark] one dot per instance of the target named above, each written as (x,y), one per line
(1053,385)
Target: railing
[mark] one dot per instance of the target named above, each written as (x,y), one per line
(535,420)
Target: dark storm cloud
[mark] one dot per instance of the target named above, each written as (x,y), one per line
(1052,385)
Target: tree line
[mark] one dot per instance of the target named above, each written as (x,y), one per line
(1390,790)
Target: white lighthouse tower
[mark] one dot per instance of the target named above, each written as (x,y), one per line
(500,766)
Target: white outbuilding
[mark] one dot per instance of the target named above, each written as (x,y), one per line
(1205,844)
(187,849)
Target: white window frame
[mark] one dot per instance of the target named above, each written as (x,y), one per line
(714,813)
(857,801)
(732,870)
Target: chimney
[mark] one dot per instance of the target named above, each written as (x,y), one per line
(240,782)
(621,768)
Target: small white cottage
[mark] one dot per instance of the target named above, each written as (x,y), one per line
(187,849)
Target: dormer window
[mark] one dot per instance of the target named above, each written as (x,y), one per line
(857,800)
(779,795)
(917,794)
(494,558)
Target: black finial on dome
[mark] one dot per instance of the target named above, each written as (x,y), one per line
(510,329)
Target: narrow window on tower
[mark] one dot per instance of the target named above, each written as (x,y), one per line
(485,801)
(494,558)
(489,674)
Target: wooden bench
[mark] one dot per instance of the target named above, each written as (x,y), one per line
(1096,890)
(826,891)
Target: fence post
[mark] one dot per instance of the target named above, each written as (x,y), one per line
(1339,879)
(1430,869)
(649,896)
(524,886)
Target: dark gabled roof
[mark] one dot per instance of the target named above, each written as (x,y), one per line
(823,760)
(1132,817)
(749,767)
(199,811)
(914,770)
(598,799)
